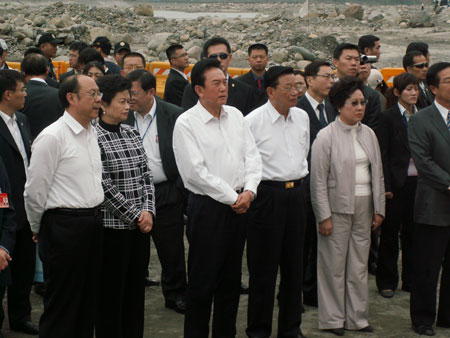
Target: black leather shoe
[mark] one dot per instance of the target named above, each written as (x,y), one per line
(387,293)
(338,332)
(25,327)
(176,305)
(301,335)
(368,329)
(151,281)
(244,289)
(423,330)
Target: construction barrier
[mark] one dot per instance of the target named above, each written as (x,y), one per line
(161,71)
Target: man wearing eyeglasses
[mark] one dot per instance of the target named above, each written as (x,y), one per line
(277,217)
(177,79)
(240,95)
(416,63)
(62,196)
(15,144)
(131,62)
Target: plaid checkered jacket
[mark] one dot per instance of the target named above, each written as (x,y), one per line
(126,177)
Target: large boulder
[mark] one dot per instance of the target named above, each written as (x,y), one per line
(157,40)
(280,56)
(99,31)
(354,11)
(144,9)
(194,52)
(420,19)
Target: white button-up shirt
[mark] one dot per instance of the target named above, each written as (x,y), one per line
(13,127)
(442,110)
(282,143)
(315,104)
(216,157)
(65,170)
(146,126)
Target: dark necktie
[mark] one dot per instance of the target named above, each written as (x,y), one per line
(258,81)
(323,122)
(405,120)
(448,120)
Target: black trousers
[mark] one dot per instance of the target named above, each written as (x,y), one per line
(70,247)
(310,258)
(399,219)
(22,276)
(167,234)
(122,293)
(275,237)
(216,244)
(430,253)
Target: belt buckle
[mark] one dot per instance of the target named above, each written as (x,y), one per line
(289,185)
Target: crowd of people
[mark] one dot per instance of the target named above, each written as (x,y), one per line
(301,167)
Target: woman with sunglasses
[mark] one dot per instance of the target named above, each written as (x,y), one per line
(400,176)
(347,195)
(128,212)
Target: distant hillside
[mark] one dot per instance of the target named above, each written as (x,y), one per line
(362,2)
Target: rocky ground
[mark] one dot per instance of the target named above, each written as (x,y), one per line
(291,40)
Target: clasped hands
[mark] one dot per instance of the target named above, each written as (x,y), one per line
(145,222)
(243,202)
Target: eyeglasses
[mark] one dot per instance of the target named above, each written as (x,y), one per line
(291,88)
(133,67)
(222,56)
(92,94)
(180,56)
(421,65)
(133,93)
(327,76)
(446,80)
(356,103)
(23,90)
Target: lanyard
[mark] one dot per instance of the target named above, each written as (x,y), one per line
(148,127)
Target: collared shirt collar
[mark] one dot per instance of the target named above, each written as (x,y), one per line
(7,118)
(313,101)
(274,114)
(38,79)
(347,127)
(73,124)
(403,109)
(444,111)
(180,72)
(205,115)
(150,114)
(256,78)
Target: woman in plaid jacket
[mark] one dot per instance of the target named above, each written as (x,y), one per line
(128,212)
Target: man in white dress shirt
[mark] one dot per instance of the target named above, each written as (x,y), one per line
(277,217)
(62,198)
(221,167)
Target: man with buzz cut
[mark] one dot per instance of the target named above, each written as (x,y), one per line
(177,79)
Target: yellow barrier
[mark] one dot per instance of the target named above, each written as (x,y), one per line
(161,71)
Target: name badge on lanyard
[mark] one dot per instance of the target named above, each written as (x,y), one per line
(4,203)
(148,127)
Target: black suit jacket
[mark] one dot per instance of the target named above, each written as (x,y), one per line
(15,166)
(259,96)
(173,92)
(239,96)
(394,146)
(7,215)
(64,76)
(429,141)
(425,99)
(167,114)
(42,106)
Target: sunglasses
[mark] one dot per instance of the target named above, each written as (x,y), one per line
(222,56)
(355,103)
(421,65)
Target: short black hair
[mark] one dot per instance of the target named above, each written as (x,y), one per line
(78,46)
(272,75)
(198,72)
(343,89)
(90,54)
(33,50)
(418,46)
(217,40)
(95,64)
(70,85)
(8,80)
(433,78)
(34,64)
(103,43)
(408,59)
(133,54)
(257,46)
(170,52)
(146,79)
(314,67)
(110,85)
(367,41)
(343,46)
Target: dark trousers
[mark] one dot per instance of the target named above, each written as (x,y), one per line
(275,238)
(399,219)
(310,259)
(430,252)
(216,243)
(122,293)
(167,234)
(22,276)
(70,247)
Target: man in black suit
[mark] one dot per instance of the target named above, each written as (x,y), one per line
(429,141)
(74,51)
(168,228)
(48,43)
(258,58)
(416,63)
(240,95)
(319,78)
(177,80)
(15,149)
(42,106)
(102,45)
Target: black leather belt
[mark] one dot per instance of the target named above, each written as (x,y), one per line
(81,212)
(284,184)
